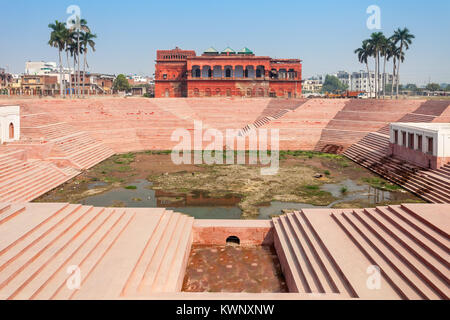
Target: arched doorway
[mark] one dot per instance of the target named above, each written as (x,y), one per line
(11,131)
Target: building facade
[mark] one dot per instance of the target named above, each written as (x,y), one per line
(423,144)
(363,81)
(181,73)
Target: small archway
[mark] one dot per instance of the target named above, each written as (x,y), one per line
(260,92)
(249,72)
(206,72)
(217,72)
(260,71)
(196,72)
(228,71)
(208,92)
(11,131)
(196,92)
(233,240)
(239,71)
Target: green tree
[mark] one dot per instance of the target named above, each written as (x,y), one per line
(447,88)
(333,85)
(121,83)
(411,87)
(404,38)
(57,40)
(376,44)
(363,57)
(433,87)
(87,40)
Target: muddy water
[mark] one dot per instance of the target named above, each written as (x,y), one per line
(234,269)
(201,206)
(197,204)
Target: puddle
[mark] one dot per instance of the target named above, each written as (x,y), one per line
(234,269)
(353,192)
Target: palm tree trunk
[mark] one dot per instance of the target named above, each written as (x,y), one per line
(376,77)
(70,75)
(398,67)
(84,71)
(74,74)
(60,75)
(393,78)
(368,76)
(384,78)
(78,53)
(398,77)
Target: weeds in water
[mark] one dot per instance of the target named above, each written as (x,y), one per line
(381,184)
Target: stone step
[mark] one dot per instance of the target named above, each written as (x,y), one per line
(429,277)
(413,179)
(373,251)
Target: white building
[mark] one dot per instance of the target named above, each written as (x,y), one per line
(424,144)
(9,123)
(363,81)
(40,68)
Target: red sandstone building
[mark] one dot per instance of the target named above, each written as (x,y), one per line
(181,73)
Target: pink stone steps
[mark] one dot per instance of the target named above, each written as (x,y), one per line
(406,244)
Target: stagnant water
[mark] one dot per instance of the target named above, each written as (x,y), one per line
(234,269)
(201,206)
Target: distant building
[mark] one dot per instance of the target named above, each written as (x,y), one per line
(312,86)
(181,73)
(363,81)
(95,83)
(40,68)
(45,85)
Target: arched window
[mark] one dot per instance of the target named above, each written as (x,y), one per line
(208,92)
(249,92)
(196,92)
(217,92)
(11,131)
(228,73)
(260,92)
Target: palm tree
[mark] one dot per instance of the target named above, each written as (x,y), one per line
(57,40)
(68,39)
(73,53)
(376,43)
(87,40)
(403,37)
(363,56)
(384,51)
(79,26)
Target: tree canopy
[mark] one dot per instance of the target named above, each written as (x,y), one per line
(121,83)
(433,87)
(333,85)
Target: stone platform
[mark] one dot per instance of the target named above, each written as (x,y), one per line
(124,253)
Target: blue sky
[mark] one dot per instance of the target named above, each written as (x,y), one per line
(321,33)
